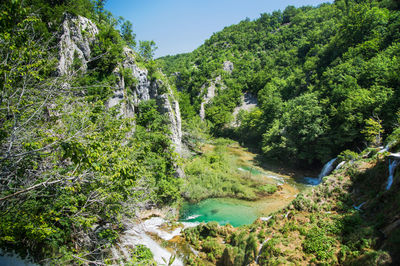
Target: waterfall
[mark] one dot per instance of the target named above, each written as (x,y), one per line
(392,166)
(142,234)
(313,181)
(358,208)
(328,167)
(384,149)
(262,245)
(387,147)
(340,165)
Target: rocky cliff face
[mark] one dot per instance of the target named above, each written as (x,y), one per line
(144,89)
(209,96)
(77,35)
(248,103)
(228,67)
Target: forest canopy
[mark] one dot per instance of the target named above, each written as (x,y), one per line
(319,73)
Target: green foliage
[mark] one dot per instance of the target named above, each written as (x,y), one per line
(188,112)
(251,249)
(373,131)
(212,247)
(319,73)
(107,50)
(127,33)
(203,232)
(149,117)
(319,244)
(299,127)
(270,253)
(142,254)
(219,110)
(70,168)
(147,49)
(347,155)
(302,203)
(269,188)
(215,174)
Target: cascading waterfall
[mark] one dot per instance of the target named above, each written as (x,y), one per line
(392,166)
(262,245)
(340,165)
(143,234)
(358,208)
(328,167)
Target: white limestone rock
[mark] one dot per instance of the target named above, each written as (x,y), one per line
(228,66)
(249,102)
(211,91)
(144,89)
(76,36)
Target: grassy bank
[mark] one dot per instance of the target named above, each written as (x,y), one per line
(323,226)
(215,174)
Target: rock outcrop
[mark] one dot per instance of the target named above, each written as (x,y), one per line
(228,66)
(143,89)
(76,36)
(249,102)
(170,106)
(211,90)
(209,96)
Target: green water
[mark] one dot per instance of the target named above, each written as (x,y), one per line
(224,211)
(251,170)
(241,212)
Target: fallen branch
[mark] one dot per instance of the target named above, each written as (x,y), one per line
(44,184)
(88,261)
(30,188)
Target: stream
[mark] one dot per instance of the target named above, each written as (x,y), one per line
(163,237)
(239,212)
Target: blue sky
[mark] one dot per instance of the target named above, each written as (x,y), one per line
(179,26)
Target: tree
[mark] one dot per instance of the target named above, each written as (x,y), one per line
(127,33)
(373,131)
(147,49)
(289,13)
(295,133)
(70,166)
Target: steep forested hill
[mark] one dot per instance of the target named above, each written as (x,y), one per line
(89,130)
(326,78)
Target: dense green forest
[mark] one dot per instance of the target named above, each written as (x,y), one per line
(322,75)
(70,168)
(90,134)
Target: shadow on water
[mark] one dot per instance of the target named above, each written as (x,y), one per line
(12,259)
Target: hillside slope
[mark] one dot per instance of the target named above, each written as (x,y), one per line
(321,76)
(349,219)
(90,131)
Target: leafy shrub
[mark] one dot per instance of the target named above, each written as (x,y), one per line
(214,174)
(347,155)
(211,246)
(317,243)
(269,188)
(302,203)
(142,253)
(270,252)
